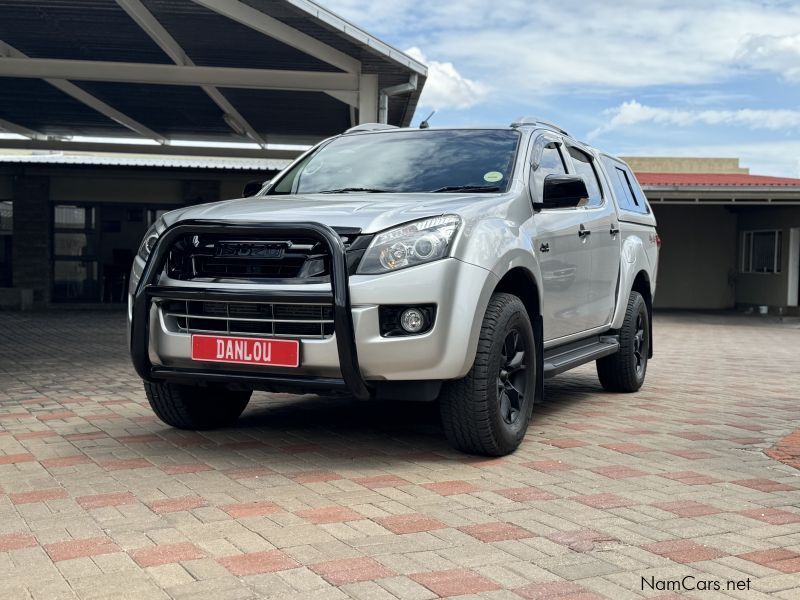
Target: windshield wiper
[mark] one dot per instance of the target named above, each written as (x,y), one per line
(466,188)
(353,189)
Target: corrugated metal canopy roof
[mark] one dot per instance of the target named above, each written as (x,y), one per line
(264,35)
(173,162)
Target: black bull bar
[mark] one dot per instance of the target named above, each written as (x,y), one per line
(339,295)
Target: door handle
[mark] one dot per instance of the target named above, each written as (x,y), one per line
(583,232)
(614,230)
(545,247)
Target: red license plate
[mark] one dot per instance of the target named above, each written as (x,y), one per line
(248,351)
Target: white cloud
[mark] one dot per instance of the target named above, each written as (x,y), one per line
(702,61)
(539,48)
(446,87)
(780,54)
(633,113)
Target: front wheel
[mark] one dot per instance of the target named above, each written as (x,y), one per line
(625,370)
(487,412)
(195,407)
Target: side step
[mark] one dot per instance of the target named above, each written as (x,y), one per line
(563,358)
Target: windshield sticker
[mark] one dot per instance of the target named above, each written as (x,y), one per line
(493,176)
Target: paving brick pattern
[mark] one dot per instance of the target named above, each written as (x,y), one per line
(325,498)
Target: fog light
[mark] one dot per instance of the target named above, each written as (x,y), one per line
(404,320)
(412,320)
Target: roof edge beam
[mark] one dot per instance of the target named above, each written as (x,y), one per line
(125,72)
(170,46)
(272,27)
(151,149)
(349,98)
(9,53)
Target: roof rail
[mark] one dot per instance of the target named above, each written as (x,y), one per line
(371,127)
(534,121)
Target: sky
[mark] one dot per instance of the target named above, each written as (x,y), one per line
(714,78)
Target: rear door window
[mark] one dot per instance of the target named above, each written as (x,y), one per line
(626,190)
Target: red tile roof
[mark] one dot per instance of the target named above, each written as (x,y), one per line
(715,180)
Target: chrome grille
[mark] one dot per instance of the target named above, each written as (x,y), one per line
(272,319)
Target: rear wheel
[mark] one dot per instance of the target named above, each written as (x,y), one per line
(487,412)
(625,370)
(195,407)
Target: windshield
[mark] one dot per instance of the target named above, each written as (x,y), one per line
(407,161)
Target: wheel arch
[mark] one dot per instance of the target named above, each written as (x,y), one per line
(641,284)
(520,282)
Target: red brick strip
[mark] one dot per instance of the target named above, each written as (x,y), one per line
(166,554)
(350,570)
(15,541)
(80,548)
(787,450)
(257,562)
(455,582)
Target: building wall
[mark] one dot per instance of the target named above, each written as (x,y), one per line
(667,164)
(771,289)
(697,260)
(118,192)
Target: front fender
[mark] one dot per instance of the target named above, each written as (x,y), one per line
(499,245)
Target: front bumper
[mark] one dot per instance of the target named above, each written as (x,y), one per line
(356,356)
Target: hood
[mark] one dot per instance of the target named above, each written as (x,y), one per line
(368,212)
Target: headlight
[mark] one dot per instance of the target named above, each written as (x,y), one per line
(150,239)
(408,245)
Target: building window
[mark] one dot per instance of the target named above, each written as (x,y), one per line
(761,251)
(6,230)
(75,270)
(6,216)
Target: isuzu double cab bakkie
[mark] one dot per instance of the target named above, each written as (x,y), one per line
(458,265)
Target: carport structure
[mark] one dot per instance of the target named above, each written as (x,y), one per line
(730,239)
(91,82)
(258,73)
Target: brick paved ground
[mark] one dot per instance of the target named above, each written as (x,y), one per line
(319,498)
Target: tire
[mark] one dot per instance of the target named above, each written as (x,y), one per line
(195,407)
(484,413)
(625,370)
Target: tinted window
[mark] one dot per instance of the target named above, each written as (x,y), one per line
(762,252)
(407,161)
(584,166)
(551,163)
(627,192)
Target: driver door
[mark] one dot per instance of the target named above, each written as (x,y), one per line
(564,256)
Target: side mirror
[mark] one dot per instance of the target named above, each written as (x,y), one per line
(564,191)
(251,188)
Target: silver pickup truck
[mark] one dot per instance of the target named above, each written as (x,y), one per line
(458,265)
